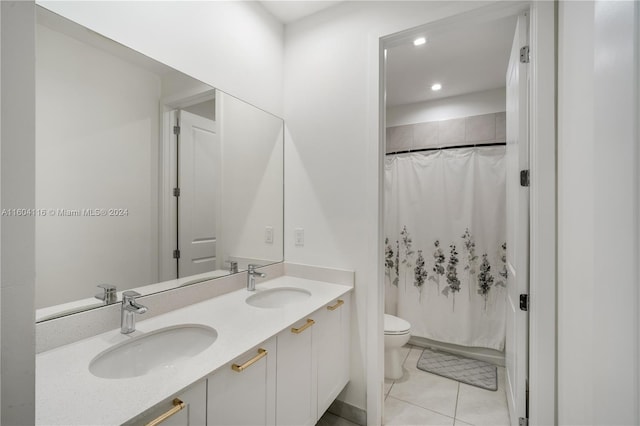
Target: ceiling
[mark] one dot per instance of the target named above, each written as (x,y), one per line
(466,60)
(290,11)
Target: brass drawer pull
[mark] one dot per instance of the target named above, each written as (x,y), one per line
(240,368)
(177,406)
(309,323)
(339,303)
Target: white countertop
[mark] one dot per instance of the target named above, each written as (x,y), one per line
(68,394)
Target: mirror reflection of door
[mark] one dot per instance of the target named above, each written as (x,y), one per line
(197,192)
(106,169)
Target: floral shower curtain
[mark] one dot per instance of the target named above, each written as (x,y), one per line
(445,217)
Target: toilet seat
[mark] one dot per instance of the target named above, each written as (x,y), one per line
(394,325)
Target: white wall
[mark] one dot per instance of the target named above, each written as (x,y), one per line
(598,210)
(332,158)
(97,124)
(234,46)
(17,153)
(252,182)
(478,103)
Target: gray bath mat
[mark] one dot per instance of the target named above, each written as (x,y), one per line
(465,370)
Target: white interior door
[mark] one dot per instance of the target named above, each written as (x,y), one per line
(516,348)
(199,182)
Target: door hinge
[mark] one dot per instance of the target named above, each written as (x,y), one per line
(176,192)
(524,177)
(526,405)
(524,55)
(524,302)
(523,421)
(176,254)
(176,130)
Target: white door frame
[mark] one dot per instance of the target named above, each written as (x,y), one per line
(542,107)
(543,212)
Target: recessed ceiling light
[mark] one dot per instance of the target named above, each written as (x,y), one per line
(419,41)
(436,87)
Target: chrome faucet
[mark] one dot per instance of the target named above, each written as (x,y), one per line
(129,308)
(251,277)
(109,295)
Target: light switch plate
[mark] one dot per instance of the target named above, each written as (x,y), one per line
(299,236)
(268,235)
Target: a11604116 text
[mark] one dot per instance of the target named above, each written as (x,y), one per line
(57,212)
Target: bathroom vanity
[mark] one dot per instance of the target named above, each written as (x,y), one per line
(283,362)
(197,346)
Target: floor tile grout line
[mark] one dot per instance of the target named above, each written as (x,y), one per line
(389,391)
(455,411)
(419,406)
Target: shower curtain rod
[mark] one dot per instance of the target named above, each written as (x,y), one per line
(447,147)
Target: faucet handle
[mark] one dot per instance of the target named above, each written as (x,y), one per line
(130,295)
(107,287)
(233,266)
(109,294)
(252,271)
(128,310)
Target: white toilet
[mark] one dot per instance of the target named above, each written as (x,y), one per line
(396,335)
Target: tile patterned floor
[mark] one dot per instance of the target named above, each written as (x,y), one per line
(425,399)
(329,419)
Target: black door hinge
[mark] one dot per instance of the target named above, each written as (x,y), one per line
(524,302)
(524,177)
(176,130)
(176,254)
(176,192)
(523,421)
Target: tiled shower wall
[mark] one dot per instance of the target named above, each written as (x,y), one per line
(476,129)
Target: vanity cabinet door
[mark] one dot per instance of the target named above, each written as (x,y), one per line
(169,413)
(243,391)
(332,340)
(296,375)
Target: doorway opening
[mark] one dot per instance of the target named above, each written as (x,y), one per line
(439,124)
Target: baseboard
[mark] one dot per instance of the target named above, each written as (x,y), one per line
(350,412)
(483,354)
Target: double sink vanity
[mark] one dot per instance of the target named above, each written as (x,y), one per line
(167,199)
(276,355)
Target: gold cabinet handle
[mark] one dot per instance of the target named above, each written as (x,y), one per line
(240,368)
(177,406)
(309,323)
(339,303)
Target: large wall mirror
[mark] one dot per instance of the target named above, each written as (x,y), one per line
(146,178)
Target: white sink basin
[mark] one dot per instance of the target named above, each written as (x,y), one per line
(159,349)
(277,297)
